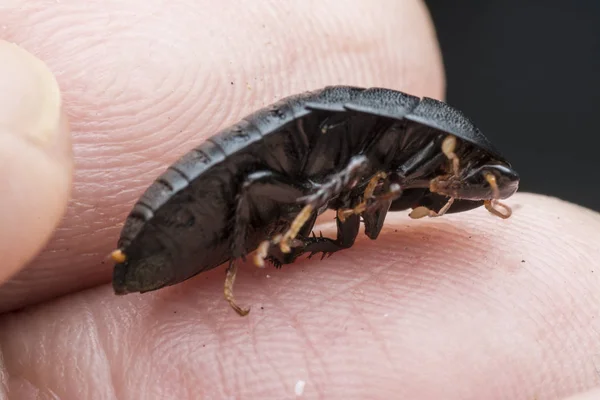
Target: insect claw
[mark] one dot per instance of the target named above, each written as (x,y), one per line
(321,234)
(492,207)
(228,289)
(313,234)
(275,263)
(261,253)
(288,237)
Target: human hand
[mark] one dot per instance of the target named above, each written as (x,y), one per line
(465,306)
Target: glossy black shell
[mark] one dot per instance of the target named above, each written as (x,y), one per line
(188,211)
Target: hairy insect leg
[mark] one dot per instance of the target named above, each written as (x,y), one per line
(333,186)
(374,218)
(260,193)
(347,231)
(371,202)
(285,241)
(228,289)
(268,251)
(252,195)
(368,194)
(448,149)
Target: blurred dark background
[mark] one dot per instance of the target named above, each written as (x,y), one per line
(528,74)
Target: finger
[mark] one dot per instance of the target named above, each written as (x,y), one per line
(156,84)
(464,306)
(35,162)
(590,395)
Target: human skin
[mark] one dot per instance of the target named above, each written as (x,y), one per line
(463,307)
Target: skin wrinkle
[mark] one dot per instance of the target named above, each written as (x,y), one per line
(380,340)
(479,321)
(102,346)
(303,337)
(210,327)
(400,336)
(311,346)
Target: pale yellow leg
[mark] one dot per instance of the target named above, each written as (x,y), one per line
(448,147)
(343,214)
(263,250)
(285,241)
(228,290)
(492,205)
(421,212)
(297,224)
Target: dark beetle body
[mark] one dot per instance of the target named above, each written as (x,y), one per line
(243,185)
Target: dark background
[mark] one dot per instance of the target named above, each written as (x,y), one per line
(528,74)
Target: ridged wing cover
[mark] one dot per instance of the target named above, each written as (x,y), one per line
(439,115)
(375,101)
(212,152)
(383,102)
(175,178)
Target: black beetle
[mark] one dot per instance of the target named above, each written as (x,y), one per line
(261,183)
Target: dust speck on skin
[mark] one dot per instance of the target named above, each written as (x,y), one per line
(299,388)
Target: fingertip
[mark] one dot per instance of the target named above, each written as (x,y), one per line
(35,157)
(591,395)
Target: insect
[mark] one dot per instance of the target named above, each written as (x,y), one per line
(259,185)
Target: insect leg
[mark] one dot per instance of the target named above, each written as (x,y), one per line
(347,231)
(374,208)
(333,186)
(370,201)
(422,211)
(268,251)
(260,196)
(374,218)
(448,147)
(490,205)
(228,290)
